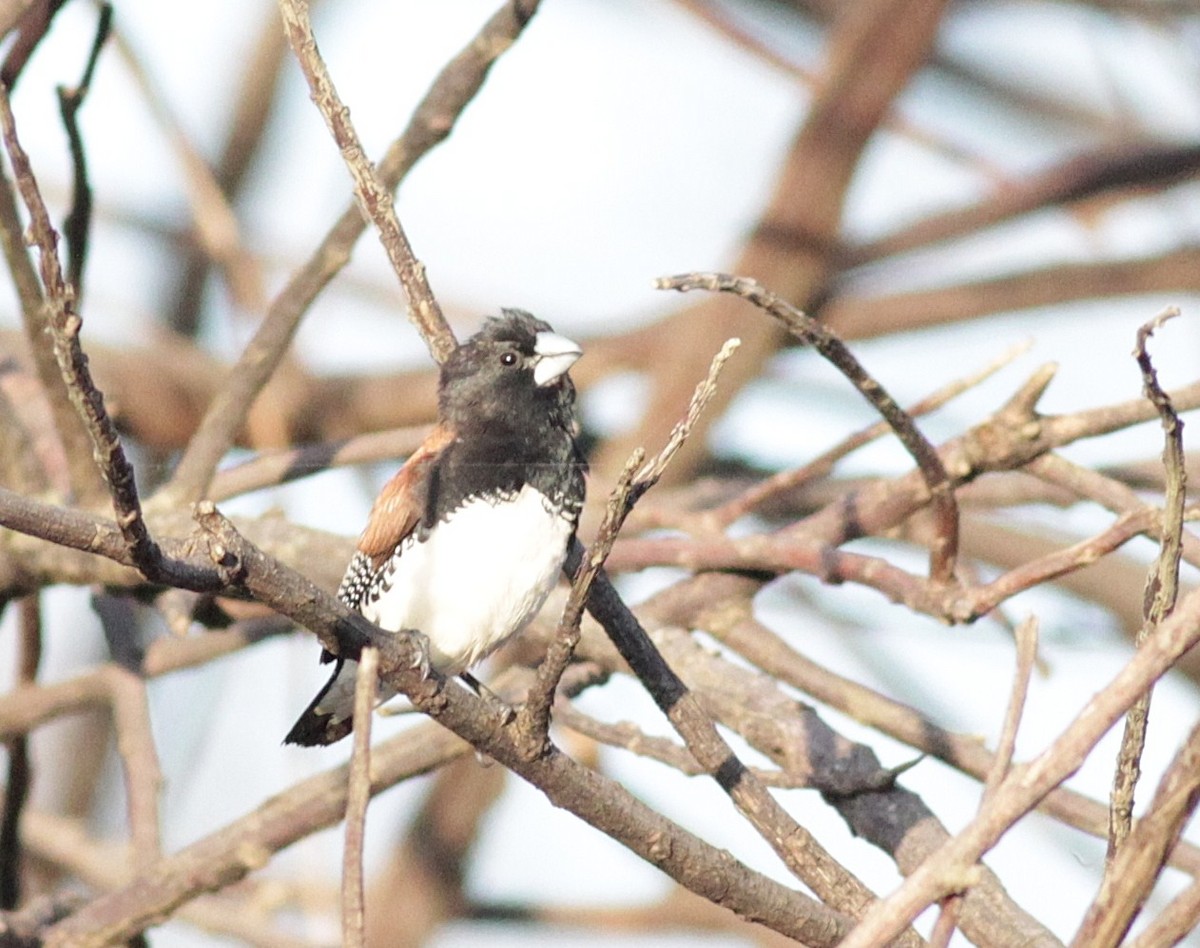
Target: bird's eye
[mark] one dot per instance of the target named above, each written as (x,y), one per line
(508,358)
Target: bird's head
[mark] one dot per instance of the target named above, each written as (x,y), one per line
(515,365)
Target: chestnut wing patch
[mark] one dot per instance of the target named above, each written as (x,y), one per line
(401,504)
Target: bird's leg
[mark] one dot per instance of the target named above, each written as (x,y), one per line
(487,695)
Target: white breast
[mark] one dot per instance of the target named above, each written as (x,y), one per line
(479,577)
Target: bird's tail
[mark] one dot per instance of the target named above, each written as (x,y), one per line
(330,717)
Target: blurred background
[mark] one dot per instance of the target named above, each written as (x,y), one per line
(1055,145)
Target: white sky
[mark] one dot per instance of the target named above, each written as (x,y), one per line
(618,141)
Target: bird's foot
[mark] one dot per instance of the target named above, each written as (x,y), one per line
(494,700)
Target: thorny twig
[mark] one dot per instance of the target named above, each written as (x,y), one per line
(1162,586)
(945,546)
(635,480)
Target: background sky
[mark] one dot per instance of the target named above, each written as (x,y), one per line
(617,142)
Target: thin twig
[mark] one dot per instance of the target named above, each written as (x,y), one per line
(433,119)
(44,300)
(64,326)
(941,493)
(821,465)
(533,719)
(947,870)
(376,200)
(1162,587)
(798,849)
(1140,860)
(78,221)
(634,481)
(1027,639)
(366,688)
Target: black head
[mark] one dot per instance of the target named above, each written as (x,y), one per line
(513,372)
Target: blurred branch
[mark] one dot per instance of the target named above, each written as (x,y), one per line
(32,23)
(1161,589)
(78,222)
(432,121)
(946,870)
(862,317)
(831,348)
(873,50)
(373,196)
(1137,863)
(44,303)
(258,87)
(216,224)
(823,464)
(1083,176)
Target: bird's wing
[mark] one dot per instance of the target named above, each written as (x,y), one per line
(396,513)
(403,501)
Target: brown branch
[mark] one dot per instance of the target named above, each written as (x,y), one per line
(1077,178)
(124,694)
(79,220)
(798,849)
(220,558)
(64,326)
(872,51)
(533,718)
(45,301)
(423,886)
(1026,636)
(1138,862)
(810,332)
(270,469)
(244,845)
(947,870)
(798,740)
(33,26)
(432,121)
(855,316)
(214,222)
(1174,923)
(257,92)
(358,795)
(375,199)
(1162,589)
(635,480)
(823,464)
(764,649)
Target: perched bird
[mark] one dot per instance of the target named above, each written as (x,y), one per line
(466,541)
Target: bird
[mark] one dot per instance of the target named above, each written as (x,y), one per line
(465,542)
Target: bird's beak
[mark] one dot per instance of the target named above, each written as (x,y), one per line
(555,354)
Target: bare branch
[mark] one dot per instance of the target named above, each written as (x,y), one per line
(1134,869)
(358,795)
(1162,587)
(812,333)
(432,121)
(373,196)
